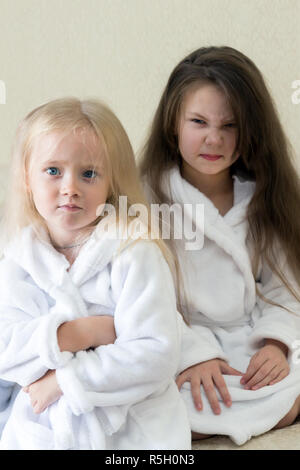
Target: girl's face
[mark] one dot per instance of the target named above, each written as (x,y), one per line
(207,132)
(68,181)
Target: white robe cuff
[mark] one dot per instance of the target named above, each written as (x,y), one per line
(72,388)
(50,354)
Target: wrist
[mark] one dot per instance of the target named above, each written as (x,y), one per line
(277,343)
(103,330)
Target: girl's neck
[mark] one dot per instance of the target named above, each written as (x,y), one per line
(70,254)
(69,246)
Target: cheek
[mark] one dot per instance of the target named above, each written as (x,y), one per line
(189,142)
(98,195)
(231,142)
(43,194)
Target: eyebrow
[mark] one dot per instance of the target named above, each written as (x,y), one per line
(54,162)
(62,162)
(194,113)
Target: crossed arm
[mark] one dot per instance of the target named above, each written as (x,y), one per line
(76,335)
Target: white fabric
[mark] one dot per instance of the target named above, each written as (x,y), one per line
(228,320)
(117,396)
(8,393)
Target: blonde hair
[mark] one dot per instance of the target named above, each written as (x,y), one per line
(64,116)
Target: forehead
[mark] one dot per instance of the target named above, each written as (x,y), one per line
(207,99)
(80,143)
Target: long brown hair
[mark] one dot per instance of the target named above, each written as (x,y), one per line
(265,153)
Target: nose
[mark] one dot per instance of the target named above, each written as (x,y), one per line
(214,137)
(70,186)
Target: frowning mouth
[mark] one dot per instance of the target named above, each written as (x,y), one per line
(210,157)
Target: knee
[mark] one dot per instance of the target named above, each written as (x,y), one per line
(290,417)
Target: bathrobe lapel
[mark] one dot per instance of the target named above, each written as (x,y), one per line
(51,271)
(217,228)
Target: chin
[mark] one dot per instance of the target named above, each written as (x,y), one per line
(210,171)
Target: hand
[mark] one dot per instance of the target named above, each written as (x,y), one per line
(267,366)
(43,392)
(209,374)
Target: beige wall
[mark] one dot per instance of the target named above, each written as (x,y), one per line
(124,50)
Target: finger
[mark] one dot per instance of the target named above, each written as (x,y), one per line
(25,389)
(260,375)
(254,365)
(38,408)
(210,392)
(181,379)
(228,370)
(33,403)
(284,373)
(196,393)
(272,375)
(223,390)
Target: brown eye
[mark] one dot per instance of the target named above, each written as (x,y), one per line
(198,121)
(230,124)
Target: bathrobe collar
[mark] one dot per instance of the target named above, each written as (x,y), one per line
(49,268)
(216,227)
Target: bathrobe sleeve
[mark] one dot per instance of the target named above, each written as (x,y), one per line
(198,344)
(274,321)
(27,332)
(146,353)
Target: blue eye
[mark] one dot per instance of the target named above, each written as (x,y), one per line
(53,171)
(89,174)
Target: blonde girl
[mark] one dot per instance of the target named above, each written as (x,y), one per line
(88,318)
(216,141)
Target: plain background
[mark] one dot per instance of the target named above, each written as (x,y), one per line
(122,51)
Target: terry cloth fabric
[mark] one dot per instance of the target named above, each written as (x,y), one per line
(228,320)
(117,396)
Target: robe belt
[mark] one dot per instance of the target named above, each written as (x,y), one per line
(197,318)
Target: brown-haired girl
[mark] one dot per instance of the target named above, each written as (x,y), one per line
(216,140)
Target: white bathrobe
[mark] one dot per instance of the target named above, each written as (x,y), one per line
(228,320)
(116,396)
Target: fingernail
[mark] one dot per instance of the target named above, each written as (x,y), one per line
(242,381)
(199,406)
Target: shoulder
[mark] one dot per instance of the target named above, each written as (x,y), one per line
(10,269)
(140,252)
(141,264)
(24,238)
(15,282)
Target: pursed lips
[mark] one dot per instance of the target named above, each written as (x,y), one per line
(69,207)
